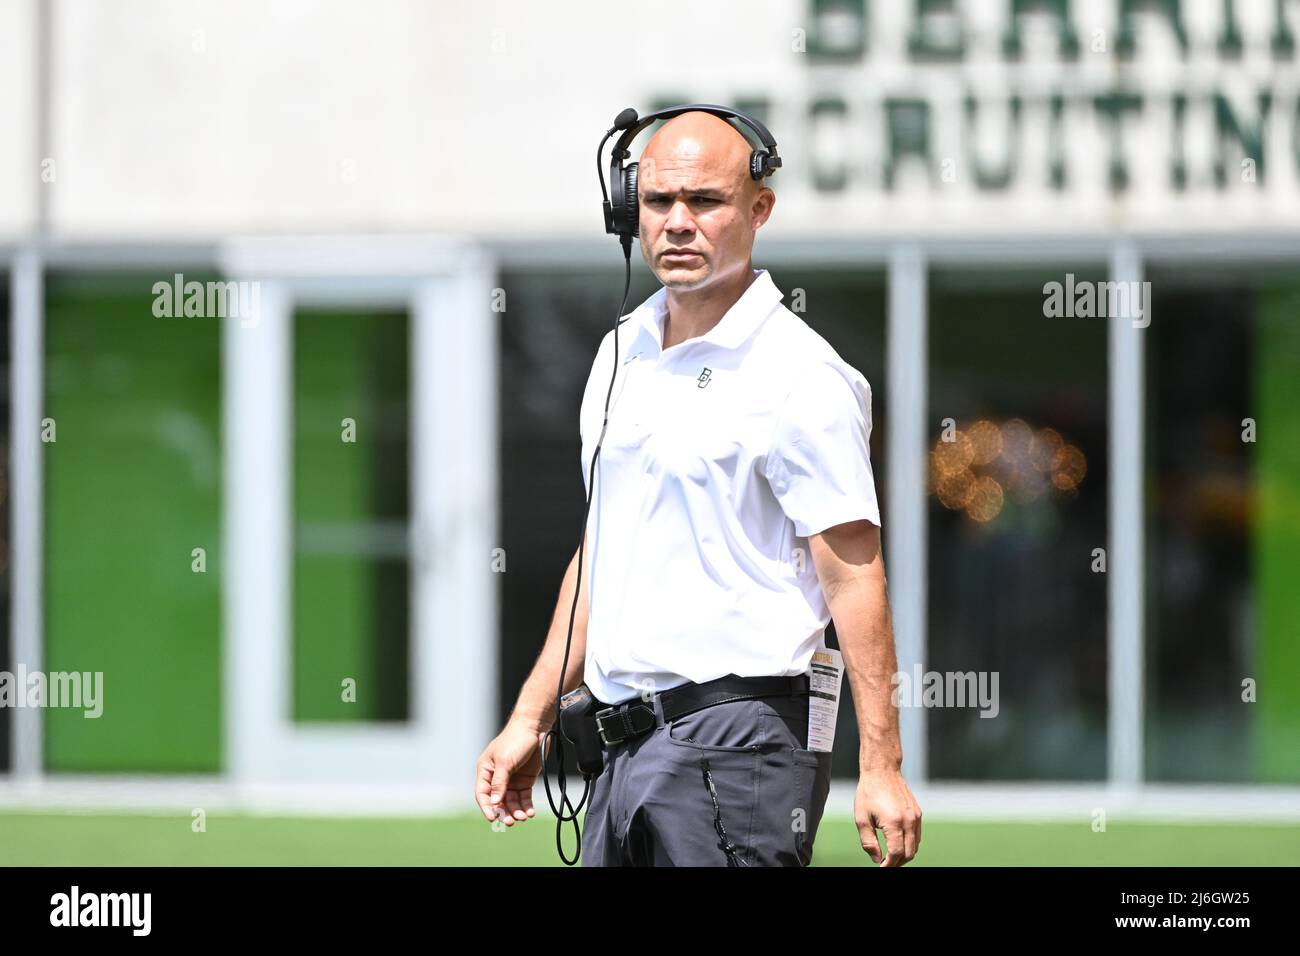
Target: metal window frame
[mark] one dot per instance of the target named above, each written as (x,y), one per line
(446,284)
(908,262)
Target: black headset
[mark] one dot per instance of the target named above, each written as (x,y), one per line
(621,212)
(622,219)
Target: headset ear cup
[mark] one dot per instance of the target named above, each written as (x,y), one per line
(631,211)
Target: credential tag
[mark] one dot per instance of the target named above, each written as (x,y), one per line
(825,672)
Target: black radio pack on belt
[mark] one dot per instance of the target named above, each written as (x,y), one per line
(578,710)
(622,215)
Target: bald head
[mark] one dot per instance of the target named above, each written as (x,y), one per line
(699,208)
(703,141)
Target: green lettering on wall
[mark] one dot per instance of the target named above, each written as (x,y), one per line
(663,102)
(1060,9)
(1112,106)
(1126,40)
(837,29)
(1228,127)
(987,177)
(1229,43)
(937,33)
(758,106)
(1056,141)
(829,177)
(1177,139)
(1283,40)
(907,133)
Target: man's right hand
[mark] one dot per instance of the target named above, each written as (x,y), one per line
(507,770)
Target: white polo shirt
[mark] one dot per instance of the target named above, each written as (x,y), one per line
(722,455)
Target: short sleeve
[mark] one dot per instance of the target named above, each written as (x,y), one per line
(819,462)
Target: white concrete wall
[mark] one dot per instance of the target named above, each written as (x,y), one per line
(19,162)
(208,117)
(213,116)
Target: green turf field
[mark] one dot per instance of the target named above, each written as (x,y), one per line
(100,840)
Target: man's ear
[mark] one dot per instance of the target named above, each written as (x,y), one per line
(761,209)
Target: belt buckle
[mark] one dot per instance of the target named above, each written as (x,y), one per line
(600,728)
(628,727)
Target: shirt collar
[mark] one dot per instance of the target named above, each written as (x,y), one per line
(736,325)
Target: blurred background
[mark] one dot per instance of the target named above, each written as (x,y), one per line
(299,299)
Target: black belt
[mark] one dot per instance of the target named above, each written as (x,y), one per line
(632,718)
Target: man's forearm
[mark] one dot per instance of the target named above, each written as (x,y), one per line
(536,704)
(860,608)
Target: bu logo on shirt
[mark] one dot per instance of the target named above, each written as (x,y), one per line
(705,377)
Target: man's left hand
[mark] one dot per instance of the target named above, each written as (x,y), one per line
(885,802)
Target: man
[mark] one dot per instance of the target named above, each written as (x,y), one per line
(736,449)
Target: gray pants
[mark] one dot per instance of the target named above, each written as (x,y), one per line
(729,785)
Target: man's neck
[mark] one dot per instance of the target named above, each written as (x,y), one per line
(693,313)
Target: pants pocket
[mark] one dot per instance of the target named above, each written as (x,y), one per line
(732,790)
(734,727)
(812,776)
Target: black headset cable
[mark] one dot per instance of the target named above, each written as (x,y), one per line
(566,812)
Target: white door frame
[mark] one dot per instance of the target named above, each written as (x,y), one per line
(446,286)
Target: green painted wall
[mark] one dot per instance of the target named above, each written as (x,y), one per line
(1277,536)
(132,485)
(350,600)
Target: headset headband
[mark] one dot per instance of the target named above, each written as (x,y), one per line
(638,124)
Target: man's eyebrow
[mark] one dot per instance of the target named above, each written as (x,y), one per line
(703,191)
